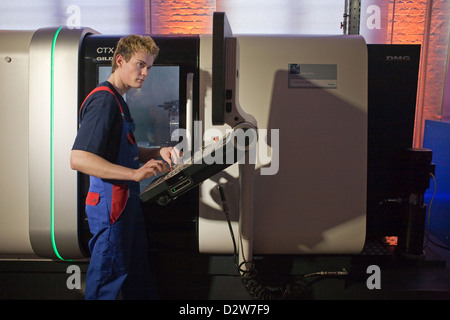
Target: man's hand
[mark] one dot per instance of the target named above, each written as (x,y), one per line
(170,155)
(149,169)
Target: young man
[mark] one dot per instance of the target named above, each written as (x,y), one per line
(105,149)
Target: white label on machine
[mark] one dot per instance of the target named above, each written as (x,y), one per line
(312,76)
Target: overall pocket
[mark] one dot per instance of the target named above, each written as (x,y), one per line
(92,198)
(118,200)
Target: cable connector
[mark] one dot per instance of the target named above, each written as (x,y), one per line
(328,273)
(223,199)
(391,201)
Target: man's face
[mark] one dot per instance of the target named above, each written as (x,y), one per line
(135,71)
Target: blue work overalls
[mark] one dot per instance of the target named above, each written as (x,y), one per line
(119,261)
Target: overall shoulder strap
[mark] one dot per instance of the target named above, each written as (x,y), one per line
(104,88)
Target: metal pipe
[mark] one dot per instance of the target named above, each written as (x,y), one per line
(418,130)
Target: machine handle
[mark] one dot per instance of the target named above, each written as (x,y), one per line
(189,109)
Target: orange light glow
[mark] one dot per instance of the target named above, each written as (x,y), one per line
(182,17)
(406,22)
(423,22)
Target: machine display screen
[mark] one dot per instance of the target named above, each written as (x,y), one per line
(154,107)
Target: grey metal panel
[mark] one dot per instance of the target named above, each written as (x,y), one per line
(65,129)
(39,147)
(14,234)
(314,201)
(53,217)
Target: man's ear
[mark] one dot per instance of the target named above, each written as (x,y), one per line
(119,60)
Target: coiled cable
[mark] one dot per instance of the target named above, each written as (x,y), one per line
(252,280)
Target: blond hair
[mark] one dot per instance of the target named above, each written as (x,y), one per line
(129,45)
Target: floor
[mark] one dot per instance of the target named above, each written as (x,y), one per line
(376,273)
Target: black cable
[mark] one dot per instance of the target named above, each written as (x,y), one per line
(249,277)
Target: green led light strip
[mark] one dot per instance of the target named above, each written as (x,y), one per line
(52,151)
